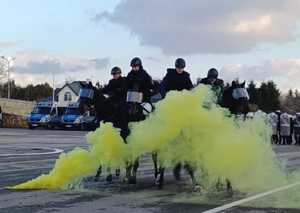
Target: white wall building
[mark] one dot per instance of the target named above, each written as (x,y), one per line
(69,93)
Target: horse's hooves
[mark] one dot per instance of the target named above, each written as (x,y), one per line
(132,180)
(97,178)
(197,188)
(160,185)
(125,180)
(109,178)
(118,172)
(176,174)
(229,191)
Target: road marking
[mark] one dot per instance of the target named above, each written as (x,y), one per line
(288,154)
(54,151)
(255,197)
(15,163)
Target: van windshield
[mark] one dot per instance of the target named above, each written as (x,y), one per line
(42,110)
(72,111)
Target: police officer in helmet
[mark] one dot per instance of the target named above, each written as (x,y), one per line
(216,84)
(177,79)
(116,88)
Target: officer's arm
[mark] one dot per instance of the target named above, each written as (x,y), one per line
(164,87)
(190,84)
(107,88)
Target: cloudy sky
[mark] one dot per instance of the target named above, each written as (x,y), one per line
(75,40)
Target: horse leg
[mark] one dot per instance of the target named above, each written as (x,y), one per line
(191,172)
(161,177)
(176,171)
(154,158)
(98,174)
(109,176)
(128,172)
(135,166)
(118,172)
(229,187)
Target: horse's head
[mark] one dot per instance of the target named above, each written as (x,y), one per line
(240,97)
(236,98)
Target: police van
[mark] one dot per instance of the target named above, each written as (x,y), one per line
(71,116)
(56,114)
(40,115)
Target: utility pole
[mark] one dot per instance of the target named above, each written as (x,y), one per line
(8,64)
(53,86)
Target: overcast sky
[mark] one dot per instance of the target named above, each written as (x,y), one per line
(74,39)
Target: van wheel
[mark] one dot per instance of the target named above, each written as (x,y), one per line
(82,127)
(49,126)
(30,126)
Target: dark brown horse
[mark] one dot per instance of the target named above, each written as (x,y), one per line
(236,99)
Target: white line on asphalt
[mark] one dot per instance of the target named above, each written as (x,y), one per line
(288,154)
(24,170)
(54,151)
(255,197)
(14,163)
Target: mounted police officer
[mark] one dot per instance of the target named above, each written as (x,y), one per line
(138,91)
(177,79)
(116,88)
(138,80)
(110,108)
(216,84)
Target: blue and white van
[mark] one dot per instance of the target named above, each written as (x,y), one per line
(40,115)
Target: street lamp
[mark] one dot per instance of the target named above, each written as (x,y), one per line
(9,62)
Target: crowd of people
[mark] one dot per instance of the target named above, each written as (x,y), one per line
(125,99)
(285,128)
(130,98)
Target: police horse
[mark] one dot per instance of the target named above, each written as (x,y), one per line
(236,99)
(120,115)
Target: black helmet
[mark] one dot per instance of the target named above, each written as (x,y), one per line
(136,62)
(212,73)
(180,63)
(116,70)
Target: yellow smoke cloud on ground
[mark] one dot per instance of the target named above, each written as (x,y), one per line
(180,130)
(107,148)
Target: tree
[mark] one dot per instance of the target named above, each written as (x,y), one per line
(253,93)
(266,97)
(29,93)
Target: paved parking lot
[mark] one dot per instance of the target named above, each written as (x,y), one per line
(25,154)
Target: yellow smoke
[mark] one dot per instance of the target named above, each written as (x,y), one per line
(107,148)
(186,127)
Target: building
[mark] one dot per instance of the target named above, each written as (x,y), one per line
(69,93)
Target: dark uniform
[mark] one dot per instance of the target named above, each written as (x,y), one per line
(116,89)
(140,81)
(212,82)
(176,81)
(216,84)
